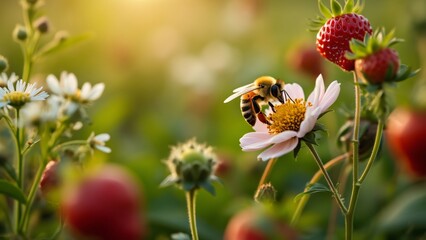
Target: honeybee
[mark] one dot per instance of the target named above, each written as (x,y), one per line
(262,91)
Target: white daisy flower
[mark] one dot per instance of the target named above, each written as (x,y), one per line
(98,142)
(291,120)
(67,87)
(17,96)
(4,79)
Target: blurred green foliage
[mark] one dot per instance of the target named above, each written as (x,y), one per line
(168,66)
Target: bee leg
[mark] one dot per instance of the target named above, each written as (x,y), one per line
(262,117)
(256,107)
(272,106)
(287,96)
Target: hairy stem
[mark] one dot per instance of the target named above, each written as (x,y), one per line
(266,172)
(327,178)
(305,198)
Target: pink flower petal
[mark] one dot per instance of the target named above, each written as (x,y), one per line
(260,126)
(279,149)
(254,141)
(316,96)
(311,117)
(294,90)
(282,137)
(330,95)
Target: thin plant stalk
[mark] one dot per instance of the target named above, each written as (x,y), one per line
(266,172)
(190,201)
(355,159)
(315,178)
(20,167)
(359,181)
(327,178)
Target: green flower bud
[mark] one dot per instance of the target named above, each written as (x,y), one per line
(191,167)
(367,136)
(42,24)
(3,64)
(266,193)
(20,33)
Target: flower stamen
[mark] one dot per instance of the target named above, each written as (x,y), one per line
(17,99)
(287,116)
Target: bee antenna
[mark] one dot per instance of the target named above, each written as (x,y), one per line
(287,96)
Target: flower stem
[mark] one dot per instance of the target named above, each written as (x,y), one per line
(190,201)
(314,179)
(327,178)
(266,172)
(20,167)
(355,158)
(376,146)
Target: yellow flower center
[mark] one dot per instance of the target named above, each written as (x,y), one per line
(17,99)
(287,116)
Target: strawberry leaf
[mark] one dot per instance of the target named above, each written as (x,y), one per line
(336,8)
(324,10)
(311,189)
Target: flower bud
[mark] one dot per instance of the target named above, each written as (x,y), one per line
(42,24)
(266,193)
(3,64)
(20,33)
(191,166)
(367,135)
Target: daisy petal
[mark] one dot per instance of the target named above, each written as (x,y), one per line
(53,84)
(330,95)
(96,92)
(294,90)
(253,141)
(279,149)
(311,117)
(103,137)
(316,96)
(103,148)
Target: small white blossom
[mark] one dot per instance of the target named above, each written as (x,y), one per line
(4,79)
(67,87)
(98,142)
(20,94)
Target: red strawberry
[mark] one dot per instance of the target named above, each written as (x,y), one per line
(342,26)
(105,206)
(379,66)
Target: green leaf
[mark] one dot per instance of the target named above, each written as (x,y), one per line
(349,5)
(168,181)
(297,149)
(311,189)
(406,211)
(336,8)
(324,10)
(60,44)
(12,191)
(310,138)
(208,187)
(9,169)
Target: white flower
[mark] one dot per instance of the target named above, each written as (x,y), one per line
(67,87)
(291,120)
(4,79)
(98,142)
(21,94)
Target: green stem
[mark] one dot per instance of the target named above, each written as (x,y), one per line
(266,172)
(190,201)
(20,167)
(374,152)
(355,159)
(314,179)
(69,143)
(327,178)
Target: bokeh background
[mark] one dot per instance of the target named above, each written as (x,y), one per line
(168,66)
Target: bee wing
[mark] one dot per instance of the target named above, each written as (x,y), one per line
(241,91)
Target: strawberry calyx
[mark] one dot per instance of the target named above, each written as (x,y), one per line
(336,9)
(375,44)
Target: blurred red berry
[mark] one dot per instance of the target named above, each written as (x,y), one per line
(49,179)
(254,224)
(307,60)
(105,206)
(406,137)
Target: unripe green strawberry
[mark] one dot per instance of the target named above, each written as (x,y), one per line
(338,27)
